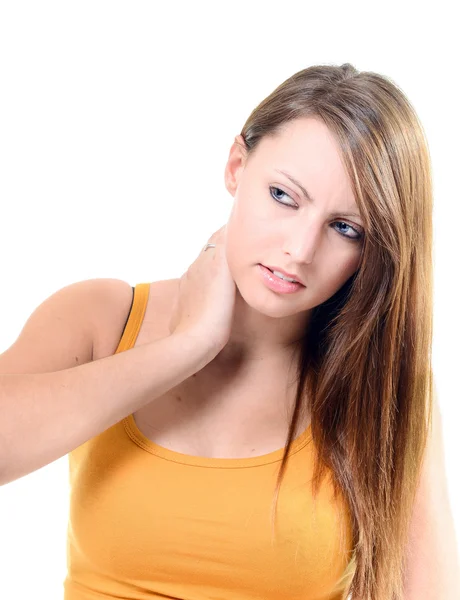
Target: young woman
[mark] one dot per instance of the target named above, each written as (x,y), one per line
(259,428)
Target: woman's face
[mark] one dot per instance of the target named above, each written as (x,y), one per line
(273,223)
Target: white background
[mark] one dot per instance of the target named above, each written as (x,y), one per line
(116,119)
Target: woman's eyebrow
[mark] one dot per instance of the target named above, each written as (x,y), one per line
(310,199)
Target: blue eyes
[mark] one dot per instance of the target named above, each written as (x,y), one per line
(353,238)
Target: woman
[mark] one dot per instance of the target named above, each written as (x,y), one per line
(234,433)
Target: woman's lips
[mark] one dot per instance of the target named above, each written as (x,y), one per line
(285,273)
(277,284)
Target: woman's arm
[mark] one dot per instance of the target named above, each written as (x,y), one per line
(51,403)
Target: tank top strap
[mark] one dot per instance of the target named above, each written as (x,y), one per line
(135,317)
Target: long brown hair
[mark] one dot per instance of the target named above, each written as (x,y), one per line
(365,361)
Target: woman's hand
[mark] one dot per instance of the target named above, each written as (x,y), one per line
(205,300)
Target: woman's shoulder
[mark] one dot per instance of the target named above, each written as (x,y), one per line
(73,318)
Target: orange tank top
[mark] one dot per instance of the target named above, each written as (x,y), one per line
(148,522)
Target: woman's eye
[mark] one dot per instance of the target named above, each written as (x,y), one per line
(277,197)
(278,193)
(356,237)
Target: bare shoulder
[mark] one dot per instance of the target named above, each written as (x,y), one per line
(61,332)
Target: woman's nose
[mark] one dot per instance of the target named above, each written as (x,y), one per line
(301,243)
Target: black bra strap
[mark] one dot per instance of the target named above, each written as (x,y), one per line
(129,313)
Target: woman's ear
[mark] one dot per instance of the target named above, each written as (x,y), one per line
(235,164)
